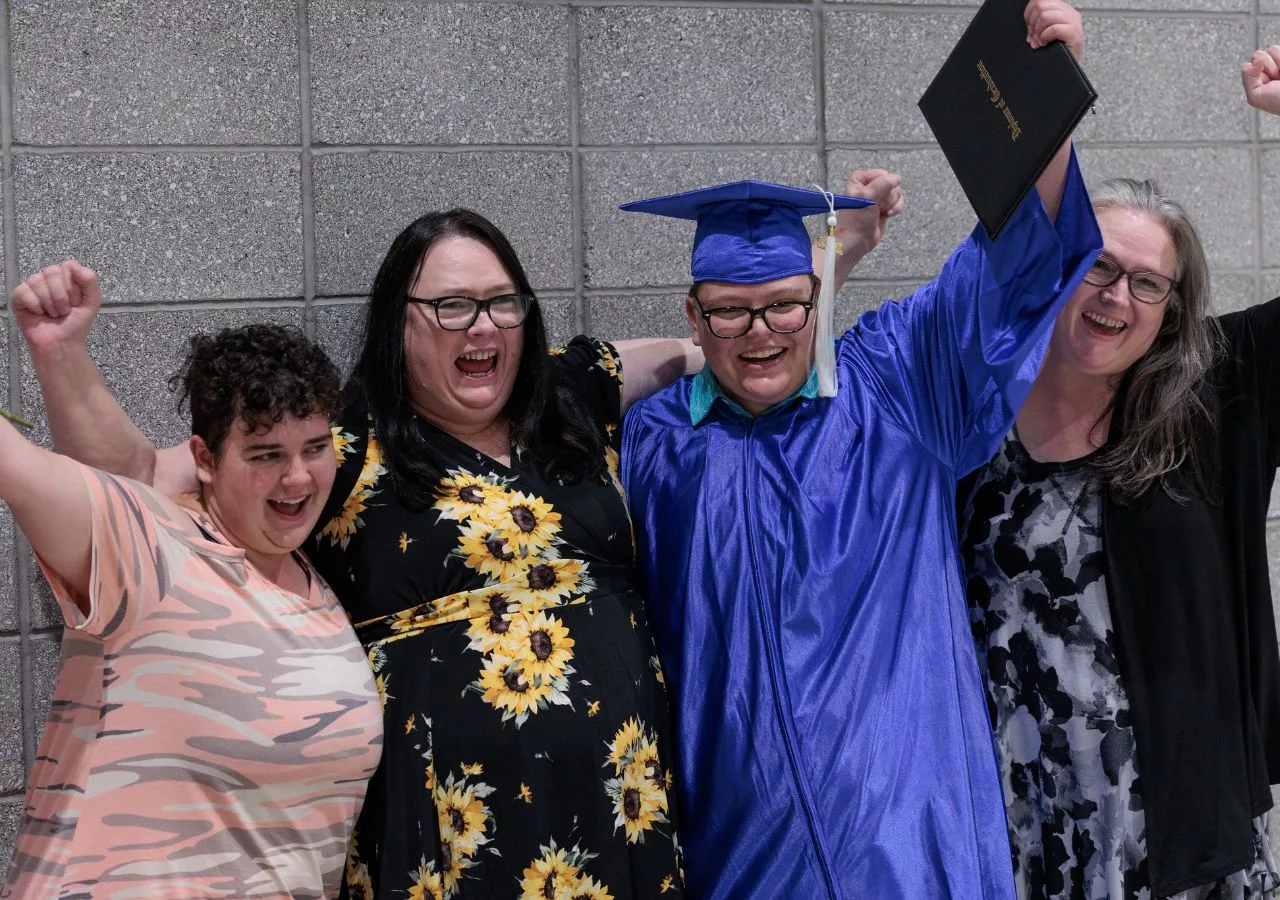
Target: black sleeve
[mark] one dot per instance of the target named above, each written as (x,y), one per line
(350,440)
(1253,345)
(592,371)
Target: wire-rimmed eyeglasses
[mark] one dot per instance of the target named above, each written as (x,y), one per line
(1145,286)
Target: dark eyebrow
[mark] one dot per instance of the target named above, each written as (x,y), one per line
(498,290)
(318,439)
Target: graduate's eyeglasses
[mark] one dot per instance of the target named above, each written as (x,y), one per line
(783,317)
(1146,287)
(457,313)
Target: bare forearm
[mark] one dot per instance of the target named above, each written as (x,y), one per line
(650,364)
(85,420)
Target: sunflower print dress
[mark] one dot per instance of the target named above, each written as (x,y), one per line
(526,721)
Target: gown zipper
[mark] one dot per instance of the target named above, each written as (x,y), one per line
(777,678)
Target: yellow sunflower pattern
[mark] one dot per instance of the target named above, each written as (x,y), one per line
(342,441)
(466,825)
(359,881)
(381,680)
(610,363)
(341,527)
(638,789)
(427,884)
(511,563)
(558,873)
(512,538)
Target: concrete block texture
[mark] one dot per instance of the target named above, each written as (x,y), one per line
(154,72)
(624,317)
(1213,184)
(1273,554)
(166,227)
(1147,93)
(363,200)
(1268,197)
(696,75)
(339,328)
(635,249)
(1268,286)
(439,73)
(12,772)
(871,89)
(1098,5)
(1233,292)
(44,654)
(560,319)
(935,216)
(10,816)
(1268,34)
(8,598)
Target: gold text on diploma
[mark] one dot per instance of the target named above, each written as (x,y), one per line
(997,101)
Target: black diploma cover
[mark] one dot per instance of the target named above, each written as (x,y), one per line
(1000,109)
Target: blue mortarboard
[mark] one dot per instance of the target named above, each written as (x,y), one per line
(750,232)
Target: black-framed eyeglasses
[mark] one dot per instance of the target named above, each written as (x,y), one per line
(1144,286)
(458,313)
(783,317)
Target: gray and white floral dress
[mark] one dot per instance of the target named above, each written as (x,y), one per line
(1032,545)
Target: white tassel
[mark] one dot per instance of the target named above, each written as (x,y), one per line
(824,355)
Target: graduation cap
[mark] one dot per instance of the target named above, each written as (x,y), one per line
(750,232)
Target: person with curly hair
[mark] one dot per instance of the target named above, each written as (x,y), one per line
(215,723)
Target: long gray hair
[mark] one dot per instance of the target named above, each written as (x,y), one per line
(1162,405)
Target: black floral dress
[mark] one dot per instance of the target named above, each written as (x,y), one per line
(526,722)
(1031,535)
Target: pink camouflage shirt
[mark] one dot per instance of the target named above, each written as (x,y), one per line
(211,735)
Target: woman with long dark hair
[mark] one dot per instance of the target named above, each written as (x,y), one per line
(1118,584)
(480,542)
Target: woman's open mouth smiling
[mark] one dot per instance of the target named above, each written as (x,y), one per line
(477,363)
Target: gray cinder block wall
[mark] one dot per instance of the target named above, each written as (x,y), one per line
(224,161)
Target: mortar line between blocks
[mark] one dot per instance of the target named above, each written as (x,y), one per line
(820,92)
(307,178)
(21,581)
(577,204)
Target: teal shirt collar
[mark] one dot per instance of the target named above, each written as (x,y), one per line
(706,390)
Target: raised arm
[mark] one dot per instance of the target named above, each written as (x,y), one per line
(54,310)
(51,505)
(1049,21)
(858,231)
(1261,79)
(954,361)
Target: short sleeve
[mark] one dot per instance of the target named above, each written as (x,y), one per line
(138,547)
(592,370)
(350,444)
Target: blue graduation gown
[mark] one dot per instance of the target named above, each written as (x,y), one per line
(807,598)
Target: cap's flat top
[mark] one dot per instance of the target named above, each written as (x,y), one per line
(692,204)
